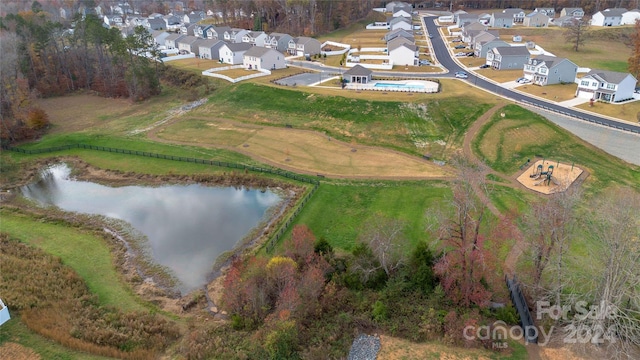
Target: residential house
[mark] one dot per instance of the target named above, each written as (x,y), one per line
(398,32)
(172,21)
(159,37)
(508,57)
(517,14)
(536,19)
(255,38)
(400,23)
(261,58)
(171,41)
(548,70)
(113,20)
(190,44)
(550,12)
(464,19)
(469,31)
(608,17)
(573,12)
(402,11)
(358,75)
(302,45)
(234,35)
(188,29)
(210,49)
(193,17)
(133,21)
(630,17)
(393,4)
(607,86)
(232,53)
(154,24)
(482,47)
(501,20)
(484,19)
(216,32)
(154,16)
(402,53)
(564,21)
(201,31)
(457,14)
(278,41)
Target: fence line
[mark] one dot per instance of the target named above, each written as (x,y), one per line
(520,303)
(274,239)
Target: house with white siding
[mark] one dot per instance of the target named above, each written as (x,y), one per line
(393,4)
(303,45)
(210,49)
(607,86)
(216,32)
(171,41)
(400,23)
(159,37)
(550,12)
(402,53)
(398,32)
(235,35)
(573,12)
(536,19)
(501,20)
(233,53)
(255,38)
(548,70)
(516,13)
(608,17)
(189,44)
(402,11)
(465,18)
(630,17)
(261,58)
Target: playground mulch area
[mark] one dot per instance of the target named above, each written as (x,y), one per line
(562,177)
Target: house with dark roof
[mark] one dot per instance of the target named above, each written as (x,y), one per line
(235,35)
(607,86)
(564,21)
(255,38)
(398,32)
(400,23)
(171,41)
(303,45)
(358,75)
(188,29)
(261,58)
(608,17)
(401,52)
(549,11)
(516,13)
(464,19)
(548,70)
(216,32)
(508,57)
(536,19)
(154,24)
(189,44)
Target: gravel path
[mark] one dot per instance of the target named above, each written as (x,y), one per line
(364,347)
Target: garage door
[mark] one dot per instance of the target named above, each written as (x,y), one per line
(585,94)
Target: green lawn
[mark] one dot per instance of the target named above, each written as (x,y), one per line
(397,125)
(338,212)
(506,143)
(86,253)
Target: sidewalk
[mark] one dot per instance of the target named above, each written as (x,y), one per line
(573,102)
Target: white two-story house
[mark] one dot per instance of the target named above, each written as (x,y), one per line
(255,38)
(608,17)
(607,86)
(278,41)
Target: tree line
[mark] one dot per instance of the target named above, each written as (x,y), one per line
(43,58)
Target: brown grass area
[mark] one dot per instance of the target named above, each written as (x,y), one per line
(503,138)
(236,73)
(14,351)
(393,348)
(501,75)
(196,64)
(305,151)
(557,92)
(564,175)
(365,38)
(628,111)
(473,61)
(79,112)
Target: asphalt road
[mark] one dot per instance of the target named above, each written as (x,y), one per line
(441,52)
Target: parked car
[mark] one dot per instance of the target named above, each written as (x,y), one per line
(461,54)
(484,66)
(418,32)
(470,53)
(430,36)
(424,62)
(461,75)
(523,81)
(457,40)
(459,47)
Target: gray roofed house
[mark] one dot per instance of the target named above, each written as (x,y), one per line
(255,38)
(216,32)
(482,47)
(278,41)
(402,53)
(189,43)
(188,29)
(508,57)
(608,17)
(261,58)
(573,12)
(398,32)
(304,46)
(548,70)
(501,20)
(159,37)
(536,19)
(463,19)
(171,41)
(392,4)
(517,13)
(210,49)
(232,53)
(358,75)
(154,24)
(564,21)
(549,11)
(607,86)
(400,23)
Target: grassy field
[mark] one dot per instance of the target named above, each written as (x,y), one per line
(418,127)
(87,254)
(397,348)
(304,151)
(628,111)
(557,92)
(604,49)
(507,142)
(500,75)
(338,211)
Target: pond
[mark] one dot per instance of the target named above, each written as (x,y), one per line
(187,226)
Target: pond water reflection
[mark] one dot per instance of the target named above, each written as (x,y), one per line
(188,226)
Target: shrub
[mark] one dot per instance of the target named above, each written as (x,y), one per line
(508,314)
(379,311)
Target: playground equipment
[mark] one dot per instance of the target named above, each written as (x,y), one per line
(546,176)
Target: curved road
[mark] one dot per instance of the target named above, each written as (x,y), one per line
(441,52)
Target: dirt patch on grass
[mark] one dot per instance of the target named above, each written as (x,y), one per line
(563,175)
(14,351)
(396,349)
(557,92)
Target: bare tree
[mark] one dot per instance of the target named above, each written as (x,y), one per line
(613,224)
(386,239)
(577,33)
